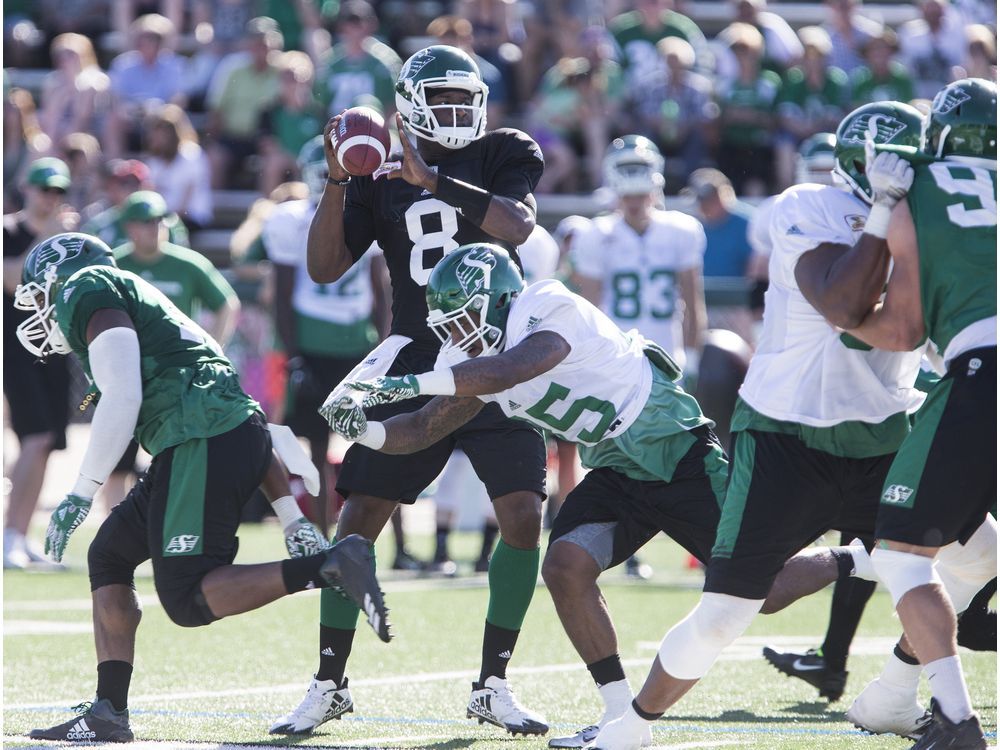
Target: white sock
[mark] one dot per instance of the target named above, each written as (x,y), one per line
(617,697)
(948,687)
(900,676)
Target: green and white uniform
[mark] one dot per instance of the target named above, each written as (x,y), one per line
(943,480)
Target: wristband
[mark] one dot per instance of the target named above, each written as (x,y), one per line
(85,488)
(331,181)
(374,436)
(472,201)
(437,383)
(878,221)
(287,510)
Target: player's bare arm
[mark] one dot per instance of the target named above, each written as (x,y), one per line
(897,324)
(538,353)
(409,433)
(327,256)
(695,317)
(843,282)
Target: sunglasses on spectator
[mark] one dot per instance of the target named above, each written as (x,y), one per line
(51,190)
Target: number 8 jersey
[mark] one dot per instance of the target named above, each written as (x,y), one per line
(415,229)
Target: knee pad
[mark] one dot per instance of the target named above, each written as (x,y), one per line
(965,568)
(688,651)
(186,605)
(903,571)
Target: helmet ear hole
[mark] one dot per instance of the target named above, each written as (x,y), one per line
(859,166)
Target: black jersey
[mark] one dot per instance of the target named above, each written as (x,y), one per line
(415,229)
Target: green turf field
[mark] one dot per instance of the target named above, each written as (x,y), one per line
(224,684)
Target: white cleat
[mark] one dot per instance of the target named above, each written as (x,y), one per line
(324,701)
(495,703)
(586,736)
(879,710)
(615,735)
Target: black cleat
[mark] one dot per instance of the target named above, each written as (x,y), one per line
(811,667)
(405,561)
(943,734)
(350,567)
(96,722)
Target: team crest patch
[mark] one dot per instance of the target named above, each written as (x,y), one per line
(181,544)
(856,222)
(945,101)
(475,270)
(881,128)
(56,251)
(898,495)
(417,63)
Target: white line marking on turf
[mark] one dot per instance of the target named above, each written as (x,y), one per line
(701,743)
(45,627)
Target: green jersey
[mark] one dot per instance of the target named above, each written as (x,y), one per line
(108,226)
(188,279)
(341,80)
(954,208)
(189,389)
(896,87)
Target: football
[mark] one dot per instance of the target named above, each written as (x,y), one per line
(361,141)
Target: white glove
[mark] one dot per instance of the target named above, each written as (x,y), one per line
(889,175)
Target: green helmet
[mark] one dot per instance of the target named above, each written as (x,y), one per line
(47,267)
(633,165)
(471,289)
(963,120)
(882,122)
(313,167)
(442,67)
(815,160)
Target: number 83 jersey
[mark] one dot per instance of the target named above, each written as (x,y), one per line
(638,273)
(415,229)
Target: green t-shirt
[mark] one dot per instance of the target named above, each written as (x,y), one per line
(188,279)
(800,102)
(954,213)
(189,389)
(245,95)
(292,128)
(897,87)
(342,80)
(762,95)
(637,44)
(107,226)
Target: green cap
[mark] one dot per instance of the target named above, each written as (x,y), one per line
(143,205)
(49,172)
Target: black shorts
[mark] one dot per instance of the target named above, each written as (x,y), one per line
(612,516)
(782,496)
(321,375)
(185,510)
(944,479)
(508,455)
(37,394)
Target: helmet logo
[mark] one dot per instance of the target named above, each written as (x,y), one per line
(879,127)
(417,63)
(948,99)
(55,251)
(475,270)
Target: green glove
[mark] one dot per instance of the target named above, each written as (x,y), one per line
(64,521)
(387,389)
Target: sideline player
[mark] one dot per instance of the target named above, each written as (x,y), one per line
(159,376)
(459,184)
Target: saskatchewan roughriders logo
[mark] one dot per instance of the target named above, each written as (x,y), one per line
(475,270)
(945,101)
(881,128)
(55,252)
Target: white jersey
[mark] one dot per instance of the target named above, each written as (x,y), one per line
(594,394)
(344,302)
(639,272)
(759,231)
(539,255)
(806,370)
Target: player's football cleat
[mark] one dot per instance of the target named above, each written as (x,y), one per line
(879,710)
(405,561)
(636,568)
(95,722)
(586,736)
(350,567)
(811,667)
(944,734)
(324,701)
(617,735)
(494,702)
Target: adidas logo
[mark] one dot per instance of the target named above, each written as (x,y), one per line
(482,706)
(505,654)
(793,230)
(514,406)
(327,651)
(81,731)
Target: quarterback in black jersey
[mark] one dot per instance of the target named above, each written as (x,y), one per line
(458,184)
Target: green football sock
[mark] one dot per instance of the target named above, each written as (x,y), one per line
(337,611)
(513,575)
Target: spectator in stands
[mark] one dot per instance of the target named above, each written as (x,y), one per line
(456,31)
(849,30)
(248,90)
(142,78)
(122,178)
(980,54)
(358,65)
(677,112)
(178,167)
(883,78)
(87,17)
(637,32)
(747,110)
(82,154)
(300,23)
(37,393)
(782,47)
(74,95)
(23,142)
(287,126)
(814,98)
(497,35)
(124,12)
(932,45)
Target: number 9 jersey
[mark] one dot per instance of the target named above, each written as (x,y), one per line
(415,229)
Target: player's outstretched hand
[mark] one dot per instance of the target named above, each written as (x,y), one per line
(386,389)
(65,518)
(413,169)
(889,175)
(303,539)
